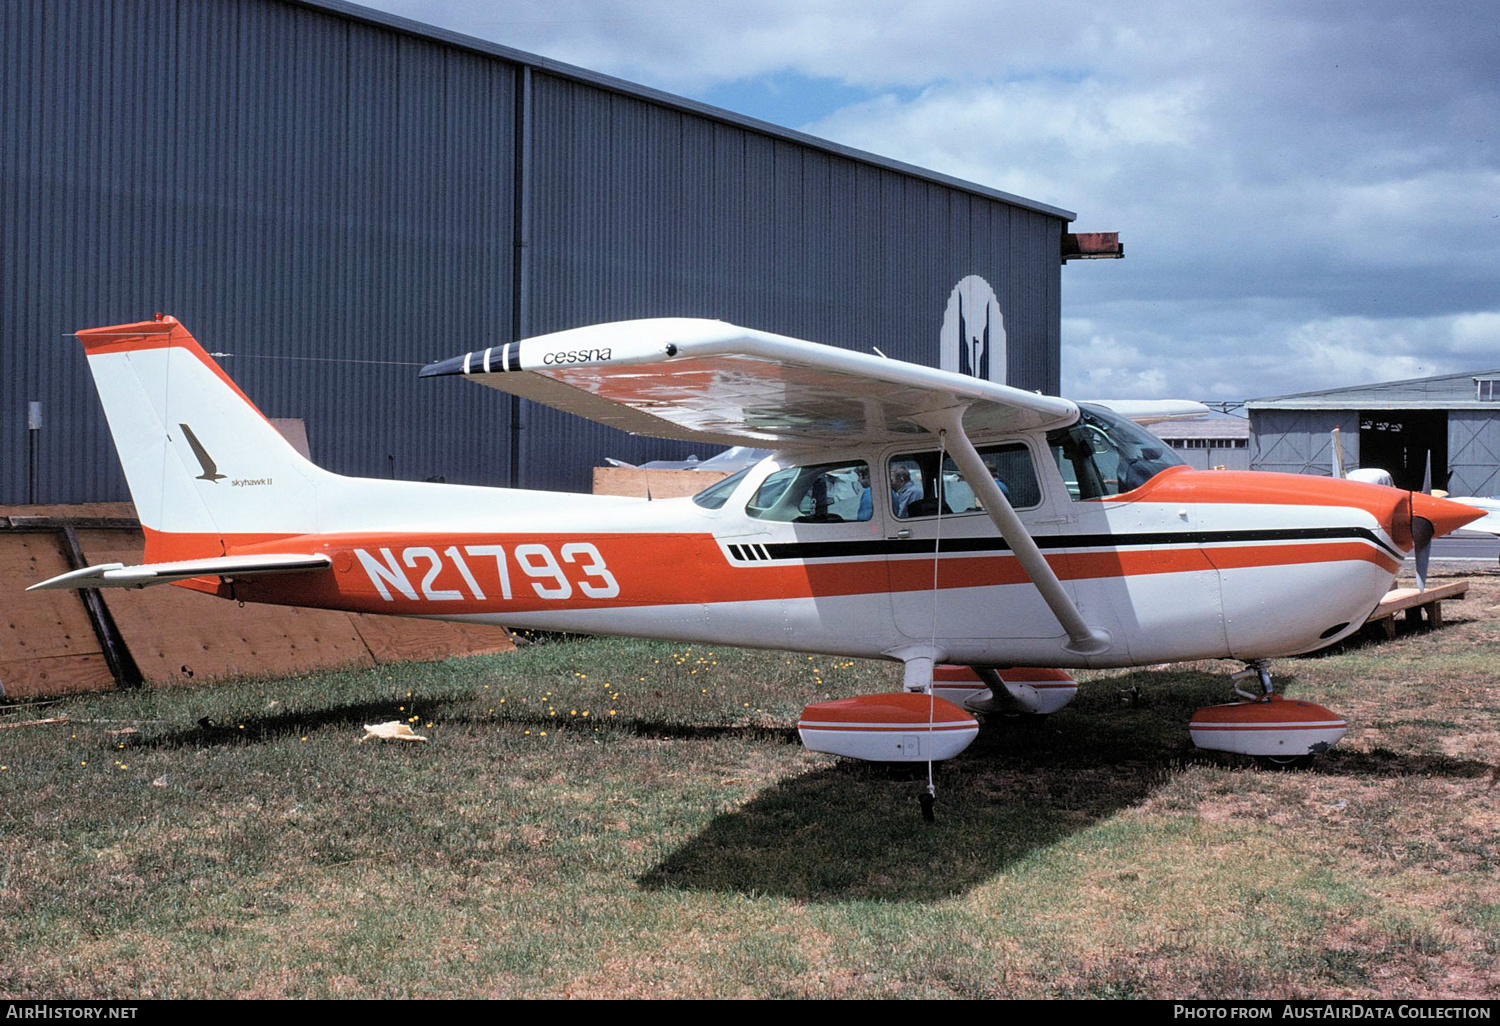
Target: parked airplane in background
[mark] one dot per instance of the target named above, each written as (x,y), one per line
(905,513)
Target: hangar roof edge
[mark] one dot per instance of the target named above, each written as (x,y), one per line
(395,22)
(1441,391)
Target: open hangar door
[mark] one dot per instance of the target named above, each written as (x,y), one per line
(1399,441)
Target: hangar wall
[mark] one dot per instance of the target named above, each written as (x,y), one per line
(1301,441)
(1473,452)
(335,197)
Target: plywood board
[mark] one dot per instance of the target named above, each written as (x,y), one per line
(84,509)
(294,430)
(39,624)
(662,484)
(178,635)
(48,646)
(50,676)
(1398,599)
(397,639)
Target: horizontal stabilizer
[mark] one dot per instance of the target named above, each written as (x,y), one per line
(118,575)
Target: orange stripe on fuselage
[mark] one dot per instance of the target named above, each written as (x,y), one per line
(678,569)
(170,546)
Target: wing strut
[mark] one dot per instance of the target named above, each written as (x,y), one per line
(1082,639)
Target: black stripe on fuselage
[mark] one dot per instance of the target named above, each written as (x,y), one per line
(923,546)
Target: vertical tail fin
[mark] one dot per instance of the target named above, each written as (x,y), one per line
(205,467)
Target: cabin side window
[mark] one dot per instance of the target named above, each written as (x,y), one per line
(1105,454)
(916,492)
(824,493)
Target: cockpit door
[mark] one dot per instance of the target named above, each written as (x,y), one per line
(979,592)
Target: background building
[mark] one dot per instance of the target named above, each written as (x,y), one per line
(334,197)
(1208,443)
(1393,426)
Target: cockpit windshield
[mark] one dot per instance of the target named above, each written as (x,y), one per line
(1104,453)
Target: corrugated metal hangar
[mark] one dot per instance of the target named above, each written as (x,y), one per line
(1393,425)
(334,197)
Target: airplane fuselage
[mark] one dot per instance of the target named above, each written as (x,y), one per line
(1190,565)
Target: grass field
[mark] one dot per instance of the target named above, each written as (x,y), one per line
(614,818)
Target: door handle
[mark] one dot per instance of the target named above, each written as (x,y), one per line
(905,532)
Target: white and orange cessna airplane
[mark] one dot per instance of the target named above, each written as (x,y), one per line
(906,513)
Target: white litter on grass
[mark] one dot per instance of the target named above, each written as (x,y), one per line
(392,731)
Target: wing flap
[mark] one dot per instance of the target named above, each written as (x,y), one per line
(118,575)
(702,380)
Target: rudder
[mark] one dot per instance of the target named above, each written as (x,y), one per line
(205,467)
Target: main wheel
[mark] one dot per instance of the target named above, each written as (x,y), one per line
(1284,762)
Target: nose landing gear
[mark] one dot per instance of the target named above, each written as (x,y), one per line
(1279,731)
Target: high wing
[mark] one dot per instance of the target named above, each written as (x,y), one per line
(118,575)
(708,381)
(703,380)
(1153,411)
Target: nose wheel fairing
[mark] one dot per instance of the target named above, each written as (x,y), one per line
(1267,726)
(1272,727)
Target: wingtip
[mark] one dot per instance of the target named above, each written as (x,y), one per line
(452,365)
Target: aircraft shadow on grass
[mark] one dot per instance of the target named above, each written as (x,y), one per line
(268,727)
(854,831)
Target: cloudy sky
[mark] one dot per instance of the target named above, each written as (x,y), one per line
(1309,193)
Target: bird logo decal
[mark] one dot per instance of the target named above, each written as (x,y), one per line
(210,469)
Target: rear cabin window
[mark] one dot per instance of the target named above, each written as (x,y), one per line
(825,493)
(715,495)
(915,491)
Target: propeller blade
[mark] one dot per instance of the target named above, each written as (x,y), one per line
(1422,533)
